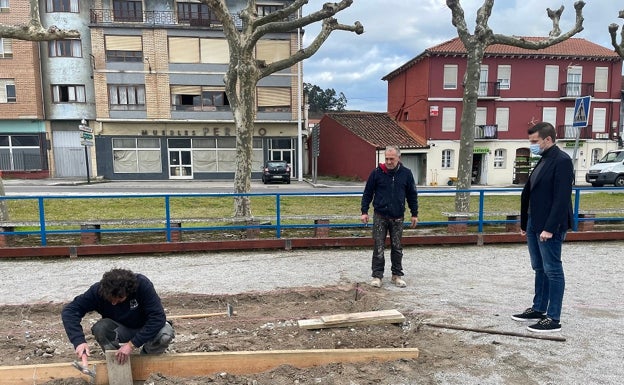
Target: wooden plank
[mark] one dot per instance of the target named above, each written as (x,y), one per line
(200,315)
(39,374)
(203,364)
(118,374)
(373,316)
(353,319)
(199,364)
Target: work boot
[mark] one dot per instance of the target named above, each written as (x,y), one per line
(376,282)
(398,281)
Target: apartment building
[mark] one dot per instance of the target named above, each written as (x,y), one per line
(161,107)
(24,136)
(141,94)
(518,87)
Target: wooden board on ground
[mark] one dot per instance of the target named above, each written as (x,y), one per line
(204,364)
(118,374)
(351,319)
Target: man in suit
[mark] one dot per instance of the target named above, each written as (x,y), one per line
(545,217)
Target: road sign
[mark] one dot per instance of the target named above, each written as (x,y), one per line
(86,135)
(86,143)
(581,111)
(84,128)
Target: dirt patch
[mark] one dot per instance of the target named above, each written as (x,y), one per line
(33,334)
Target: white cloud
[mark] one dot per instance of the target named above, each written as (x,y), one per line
(395,31)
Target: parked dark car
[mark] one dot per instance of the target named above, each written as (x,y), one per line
(276,170)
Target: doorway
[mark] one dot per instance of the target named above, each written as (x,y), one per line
(477,168)
(180,164)
(283,149)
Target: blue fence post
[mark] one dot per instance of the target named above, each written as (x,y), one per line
(577,205)
(42,225)
(481,204)
(167,218)
(278,214)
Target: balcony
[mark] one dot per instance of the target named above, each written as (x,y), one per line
(486,131)
(568,132)
(108,16)
(195,19)
(488,90)
(576,90)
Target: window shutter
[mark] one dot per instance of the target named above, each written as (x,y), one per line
(123,43)
(183,50)
(273,96)
(215,51)
(185,90)
(272,50)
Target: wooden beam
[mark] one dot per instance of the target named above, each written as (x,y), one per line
(203,364)
(39,374)
(350,319)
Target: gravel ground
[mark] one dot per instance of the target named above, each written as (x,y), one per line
(469,286)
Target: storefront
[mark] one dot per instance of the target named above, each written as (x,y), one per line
(24,149)
(184,151)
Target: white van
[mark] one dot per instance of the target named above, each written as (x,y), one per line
(609,170)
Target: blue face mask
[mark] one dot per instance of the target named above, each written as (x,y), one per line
(535,149)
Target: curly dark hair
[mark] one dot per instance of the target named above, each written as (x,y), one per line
(118,283)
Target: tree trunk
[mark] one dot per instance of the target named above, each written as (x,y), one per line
(467,124)
(244,109)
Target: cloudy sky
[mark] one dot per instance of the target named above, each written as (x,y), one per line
(396,31)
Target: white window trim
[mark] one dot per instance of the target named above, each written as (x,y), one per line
(601,81)
(504,77)
(449,119)
(450,77)
(502,118)
(447,159)
(551,78)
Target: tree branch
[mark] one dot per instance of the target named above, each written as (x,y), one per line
(34,31)
(328,11)
(613,28)
(281,14)
(523,43)
(329,25)
(458,19)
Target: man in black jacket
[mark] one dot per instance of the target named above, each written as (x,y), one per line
(388,187)
(132,316)
(545,217)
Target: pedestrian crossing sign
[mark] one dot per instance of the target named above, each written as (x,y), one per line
(581,111)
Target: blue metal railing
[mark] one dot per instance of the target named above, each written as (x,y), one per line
(43,224)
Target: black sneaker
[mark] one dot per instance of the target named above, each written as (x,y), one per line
(528,315)
(546,325)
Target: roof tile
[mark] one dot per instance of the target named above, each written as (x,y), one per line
(576,47)
(377,128)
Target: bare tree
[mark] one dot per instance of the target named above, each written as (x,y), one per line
(475,45)
(245,71)
(33,31)
(613,28)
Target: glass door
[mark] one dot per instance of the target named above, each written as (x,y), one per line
(180,164)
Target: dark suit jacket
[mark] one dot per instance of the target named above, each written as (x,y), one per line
(547,197)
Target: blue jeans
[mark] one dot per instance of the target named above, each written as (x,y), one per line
(381,227)
(549,277)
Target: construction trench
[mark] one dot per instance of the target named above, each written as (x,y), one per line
(181,365)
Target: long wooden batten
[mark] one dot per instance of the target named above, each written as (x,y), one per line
(202,364)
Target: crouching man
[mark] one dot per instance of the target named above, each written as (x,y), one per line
(132,317)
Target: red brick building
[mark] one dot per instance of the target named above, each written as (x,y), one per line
(351,144)
(518,87)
